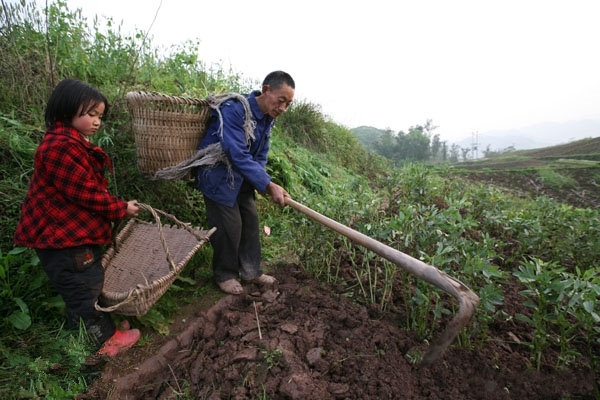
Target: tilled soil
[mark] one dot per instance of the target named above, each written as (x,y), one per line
(585,193)
(302,340)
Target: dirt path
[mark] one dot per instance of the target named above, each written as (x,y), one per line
(311,343)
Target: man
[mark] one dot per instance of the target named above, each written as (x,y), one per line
(241,127)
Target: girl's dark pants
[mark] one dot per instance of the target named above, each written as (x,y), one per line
(78,276)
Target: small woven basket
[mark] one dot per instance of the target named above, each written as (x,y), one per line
(144,261)
(167,129)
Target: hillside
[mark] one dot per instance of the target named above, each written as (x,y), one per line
(569,172)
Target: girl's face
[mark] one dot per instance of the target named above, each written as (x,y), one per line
(90,121)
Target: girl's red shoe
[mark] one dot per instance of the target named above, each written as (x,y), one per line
(124,339)
(110,350)
(120,340)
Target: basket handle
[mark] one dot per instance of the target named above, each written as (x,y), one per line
(114,307)
(155,213)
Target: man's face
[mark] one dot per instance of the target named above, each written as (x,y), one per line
(276,101)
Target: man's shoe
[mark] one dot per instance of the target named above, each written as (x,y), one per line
(264,280)
(231,286)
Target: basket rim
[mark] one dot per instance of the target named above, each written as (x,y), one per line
(160,97)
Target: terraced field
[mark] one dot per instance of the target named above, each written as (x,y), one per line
(569,173)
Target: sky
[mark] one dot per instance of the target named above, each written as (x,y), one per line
(467,65)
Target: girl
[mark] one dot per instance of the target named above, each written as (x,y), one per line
(68,212)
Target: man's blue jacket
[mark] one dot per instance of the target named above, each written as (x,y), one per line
(248,160)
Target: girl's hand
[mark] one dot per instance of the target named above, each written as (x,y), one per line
(132,208)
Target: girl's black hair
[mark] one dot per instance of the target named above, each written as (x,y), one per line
(68,98)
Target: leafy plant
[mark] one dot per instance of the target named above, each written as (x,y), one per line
(563,305)
(21,279)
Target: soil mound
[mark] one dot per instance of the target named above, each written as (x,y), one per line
(301,340)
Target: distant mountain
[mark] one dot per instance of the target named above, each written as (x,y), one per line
(367,135)
(534,136)
(529,137)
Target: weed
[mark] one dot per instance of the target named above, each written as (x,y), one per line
(272,357)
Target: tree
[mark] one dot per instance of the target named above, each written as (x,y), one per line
(465,153)
(417,145)
(436,145)
(387,145)
(428,128)
(420,144)
(454,152)
(444,151)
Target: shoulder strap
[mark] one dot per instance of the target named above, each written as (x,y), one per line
(216,100)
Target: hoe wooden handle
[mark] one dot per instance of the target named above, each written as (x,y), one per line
(466,298)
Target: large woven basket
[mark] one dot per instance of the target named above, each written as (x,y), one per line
(144,261)
(167,129)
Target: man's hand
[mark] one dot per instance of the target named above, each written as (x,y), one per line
(278,194)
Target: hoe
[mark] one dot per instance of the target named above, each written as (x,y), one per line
(467,300)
